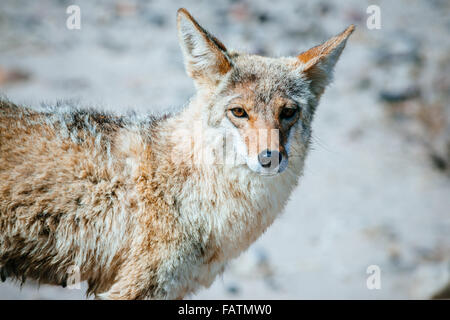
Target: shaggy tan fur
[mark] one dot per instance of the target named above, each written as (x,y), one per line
(133,202)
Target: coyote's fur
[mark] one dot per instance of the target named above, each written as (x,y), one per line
(129,202)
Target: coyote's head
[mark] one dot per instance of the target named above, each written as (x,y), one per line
(267,104)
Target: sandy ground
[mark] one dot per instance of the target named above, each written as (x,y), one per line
(376,189)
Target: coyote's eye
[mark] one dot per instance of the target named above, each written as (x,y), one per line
(239,112)
(288,113)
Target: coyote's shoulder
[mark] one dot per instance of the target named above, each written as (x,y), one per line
(154,207)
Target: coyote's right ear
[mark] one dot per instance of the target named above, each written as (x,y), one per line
(317,63)
(205,57)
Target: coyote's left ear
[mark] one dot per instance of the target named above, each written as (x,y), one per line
(317,63)
(205,58)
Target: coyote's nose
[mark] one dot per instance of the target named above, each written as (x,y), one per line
(270,158)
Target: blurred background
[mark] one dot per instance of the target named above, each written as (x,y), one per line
(376,188)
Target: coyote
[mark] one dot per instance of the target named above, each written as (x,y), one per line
(135,203)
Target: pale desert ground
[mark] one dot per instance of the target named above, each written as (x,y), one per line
(376,188)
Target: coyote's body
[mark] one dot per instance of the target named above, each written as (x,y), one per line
(128,202)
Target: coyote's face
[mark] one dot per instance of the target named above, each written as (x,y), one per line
(265,104)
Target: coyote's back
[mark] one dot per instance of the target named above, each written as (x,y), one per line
(56,179)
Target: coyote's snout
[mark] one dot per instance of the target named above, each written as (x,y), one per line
(145,207)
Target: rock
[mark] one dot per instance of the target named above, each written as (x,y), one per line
(444,293)
(233,289)
(263,17)
(439,162)
(13,76)
(125,9)
(399,96)
(239,12)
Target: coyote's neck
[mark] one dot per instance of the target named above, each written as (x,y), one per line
(230,205)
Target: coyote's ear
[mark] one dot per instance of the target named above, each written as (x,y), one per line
(205,57)
(317,63)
